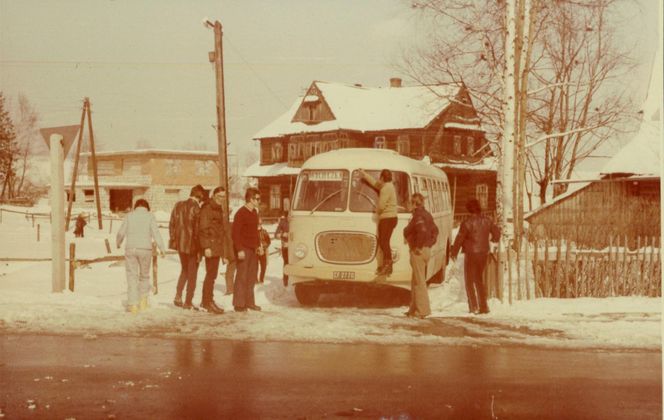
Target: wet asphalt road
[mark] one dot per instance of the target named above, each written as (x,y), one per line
(152,378)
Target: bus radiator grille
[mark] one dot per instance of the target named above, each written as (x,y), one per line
(346,247)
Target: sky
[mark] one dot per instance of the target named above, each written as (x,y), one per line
(144,64)
(96,308)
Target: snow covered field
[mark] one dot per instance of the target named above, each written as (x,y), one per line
(96,307)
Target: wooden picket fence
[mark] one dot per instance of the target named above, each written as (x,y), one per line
(560,269)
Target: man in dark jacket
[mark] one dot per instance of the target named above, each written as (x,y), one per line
(473,238)
(183,230)
(246,243)
(282,233)
(212,237)
(421,234)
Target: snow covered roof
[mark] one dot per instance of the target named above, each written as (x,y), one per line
(277,169)
(487,164)
(641,156)
(364,109)
(462,126)
(199,153)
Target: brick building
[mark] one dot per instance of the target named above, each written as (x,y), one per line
(160,176)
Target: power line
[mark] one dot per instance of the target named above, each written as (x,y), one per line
(269,89)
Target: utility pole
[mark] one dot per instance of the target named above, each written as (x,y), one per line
(57,213)
(217,57)
(94,160)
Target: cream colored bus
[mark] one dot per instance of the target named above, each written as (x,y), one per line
(333,225)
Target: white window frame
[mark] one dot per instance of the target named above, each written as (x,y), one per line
(380,142)
(275,196)
(403,145)
(482,195)
(456,146)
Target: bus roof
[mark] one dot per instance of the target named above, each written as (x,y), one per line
(371,159)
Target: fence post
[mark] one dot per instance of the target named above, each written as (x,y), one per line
(72,264)
(526,245)
(38,232)
(108,246)
(110,227)
(518,271)
(509,273)
(545,269)
(566,268)
(33,220)
(0,215)
(556,270)
(155,287)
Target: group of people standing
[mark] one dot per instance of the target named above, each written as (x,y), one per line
(200,228)
(421,234)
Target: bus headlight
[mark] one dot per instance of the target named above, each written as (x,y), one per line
(300,251)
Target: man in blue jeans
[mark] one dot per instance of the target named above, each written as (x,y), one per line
(473,237)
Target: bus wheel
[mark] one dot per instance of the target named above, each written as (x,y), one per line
(306,295)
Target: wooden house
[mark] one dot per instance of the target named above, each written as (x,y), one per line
(623,205)
(438,123)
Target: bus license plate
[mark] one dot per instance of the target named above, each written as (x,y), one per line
(343,275)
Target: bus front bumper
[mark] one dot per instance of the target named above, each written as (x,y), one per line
(302,274)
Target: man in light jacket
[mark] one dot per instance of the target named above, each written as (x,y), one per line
(386,210)
(139,229)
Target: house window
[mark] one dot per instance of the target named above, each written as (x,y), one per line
(457,145)
(277,152)
(292,150)
(89,196)
(69,194)
(172,167)
(275,196)
(344,141)
(403,145)
(379,142)
(482,195)
(470,145)
(204,168)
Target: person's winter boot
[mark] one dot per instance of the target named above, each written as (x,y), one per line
(133,309)
(177,301)
(388,268)
(143,304)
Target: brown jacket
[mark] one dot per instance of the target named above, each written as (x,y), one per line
(183,227)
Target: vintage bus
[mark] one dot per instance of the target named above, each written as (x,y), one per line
(333,225)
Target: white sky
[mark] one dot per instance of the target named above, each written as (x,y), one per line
(144,63)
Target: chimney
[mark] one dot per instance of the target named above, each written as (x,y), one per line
(395,82)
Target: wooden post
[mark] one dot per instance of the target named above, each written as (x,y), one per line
(57,214)
(33,220)
(155,285)
(536,282)
(556,270)
(108,246)
(577,272)
(518,270)
(566,268)
(0,215)
(526,265)
(38,225)
(650,266)
(74,174)
(625,272)
(93,158)
(640,263)
(610,269)
(218,58)
(545,268)
(110,228)
(509,273)
(72,264)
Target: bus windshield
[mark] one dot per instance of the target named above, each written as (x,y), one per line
(364,198)
(322,190)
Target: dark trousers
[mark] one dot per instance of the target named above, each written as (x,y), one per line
(473,268)
(284,255)
(245,279)
(385,229)
(211,270)
(188,273)
(262,263)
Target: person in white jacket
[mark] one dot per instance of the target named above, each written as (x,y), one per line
(139,229)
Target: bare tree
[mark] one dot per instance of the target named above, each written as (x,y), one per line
(8,150)
(27,133)
(567,68)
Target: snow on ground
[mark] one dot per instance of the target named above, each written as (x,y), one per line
(96,307)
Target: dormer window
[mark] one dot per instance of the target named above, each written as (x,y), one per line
(456,145)
(312,107)
(403,145)
(277,152)
(379,142)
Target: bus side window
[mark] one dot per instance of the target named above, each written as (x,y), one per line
(416,184)
(429,195)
